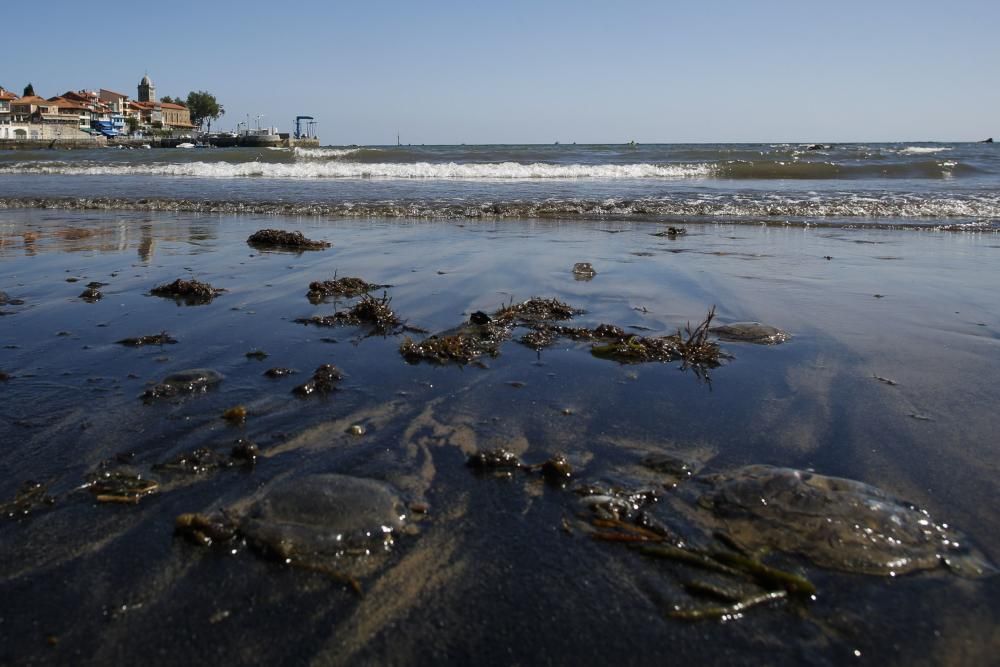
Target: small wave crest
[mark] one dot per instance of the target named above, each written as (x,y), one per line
(393,170)
(807,170)
(923,150)
(323,153)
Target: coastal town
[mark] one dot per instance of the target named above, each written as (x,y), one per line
(87,115)
(103,117)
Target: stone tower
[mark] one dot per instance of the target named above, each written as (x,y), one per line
(147,91)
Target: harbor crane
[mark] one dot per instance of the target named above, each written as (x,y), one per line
(309,127)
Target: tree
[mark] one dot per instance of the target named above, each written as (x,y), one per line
(29,90)
(133,124)
(166,99)
(204,108)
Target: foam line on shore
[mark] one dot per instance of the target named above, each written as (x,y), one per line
(979,214)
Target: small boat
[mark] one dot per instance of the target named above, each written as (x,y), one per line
(185,145)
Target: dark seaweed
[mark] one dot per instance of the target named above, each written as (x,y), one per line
(278,238)
(162,338)
(369,311)
(324,380)
(191,292)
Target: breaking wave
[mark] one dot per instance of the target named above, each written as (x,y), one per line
(336,169)
(329,163)
(923,150)
(324,153)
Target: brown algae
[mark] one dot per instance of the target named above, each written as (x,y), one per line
(347,287)
(324,380)
(191,292)
(121,486)
(278,238)
(162,338)
(369,311)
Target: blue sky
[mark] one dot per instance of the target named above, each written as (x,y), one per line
(512,72)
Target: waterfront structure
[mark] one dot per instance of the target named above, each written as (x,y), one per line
(5,99)
(69,107)
(119,109)
(176,118)
(87,116)
(34,117)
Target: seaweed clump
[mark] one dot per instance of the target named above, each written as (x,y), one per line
(463,346)
(120,486)
(691,346)
(30,496)
(733,580)
(494,459)
(544,334)
(91,295)
(535,310)
(191,381)
(278,238)
(162,338)
(192,292)
(346,287)
(204,460)
(483,334)
(323,381)
(369,311)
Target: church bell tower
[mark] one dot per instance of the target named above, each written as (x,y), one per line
(147,91)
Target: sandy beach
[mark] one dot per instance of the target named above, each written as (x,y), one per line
(888,378)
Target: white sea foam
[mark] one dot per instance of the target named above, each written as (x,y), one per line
(393,170)
(321,153)
(922,150)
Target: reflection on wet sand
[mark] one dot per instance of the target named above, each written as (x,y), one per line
(648,521)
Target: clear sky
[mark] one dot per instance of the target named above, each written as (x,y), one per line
(513,72)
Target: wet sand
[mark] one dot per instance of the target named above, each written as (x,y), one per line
(890,379)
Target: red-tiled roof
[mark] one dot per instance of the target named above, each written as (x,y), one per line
(32,99)
(171,105)
(79,97)
(7,96)
(63,103)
